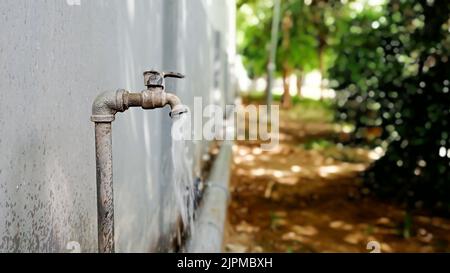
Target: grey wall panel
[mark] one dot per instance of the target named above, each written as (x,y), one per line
(54,59)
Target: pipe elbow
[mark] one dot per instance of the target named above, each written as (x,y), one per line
(107,104)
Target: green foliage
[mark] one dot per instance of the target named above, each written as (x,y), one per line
(309,110)
(393,73)
(407,225)
(304,28)
(304,109)
(317,144)
(253,34)
(297,43)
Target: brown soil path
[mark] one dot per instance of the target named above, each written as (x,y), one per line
(294,199)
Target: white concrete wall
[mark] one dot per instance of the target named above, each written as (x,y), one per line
(54,59)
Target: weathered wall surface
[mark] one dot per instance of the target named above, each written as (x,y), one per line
(54,59)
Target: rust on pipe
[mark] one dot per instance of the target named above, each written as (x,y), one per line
(105,204)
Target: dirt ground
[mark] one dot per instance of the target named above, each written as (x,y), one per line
(303,198)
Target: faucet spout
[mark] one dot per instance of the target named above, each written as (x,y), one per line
(177,108)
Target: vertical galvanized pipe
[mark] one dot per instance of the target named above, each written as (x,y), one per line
(271,66)
(105,204)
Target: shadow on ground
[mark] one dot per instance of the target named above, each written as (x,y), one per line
(307,196)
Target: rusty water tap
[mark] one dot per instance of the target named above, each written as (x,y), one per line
(104,109)
(156,96)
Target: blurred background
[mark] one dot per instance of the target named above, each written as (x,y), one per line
(364,157)
(363,163)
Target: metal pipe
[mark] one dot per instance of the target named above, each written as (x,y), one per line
(209,228)
(105,205)
(271,65)
(104,108)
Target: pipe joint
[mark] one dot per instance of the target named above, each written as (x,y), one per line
(153,98)
(158,98)
(107,104)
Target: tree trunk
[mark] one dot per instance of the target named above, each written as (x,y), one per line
(286,98)
(299,83)
(321,65)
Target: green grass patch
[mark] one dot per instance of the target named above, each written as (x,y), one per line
(317,144)
(309,110)
(304,109)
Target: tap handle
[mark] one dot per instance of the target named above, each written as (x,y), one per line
(173,75)
(153,78)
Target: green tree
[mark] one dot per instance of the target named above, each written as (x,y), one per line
(307,28)
(393,73)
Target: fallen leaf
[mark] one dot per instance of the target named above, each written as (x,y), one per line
(246,227)
(236,248)
(291,236)
(305,230)
(353,238)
